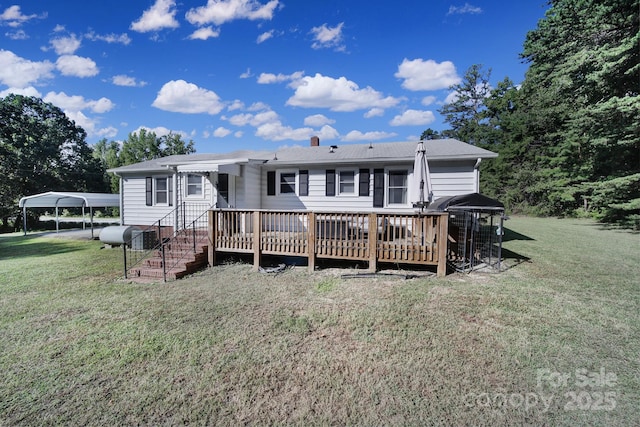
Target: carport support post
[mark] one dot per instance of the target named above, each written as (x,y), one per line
(24,219)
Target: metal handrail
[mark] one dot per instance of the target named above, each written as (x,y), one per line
(173,220)
(184,232)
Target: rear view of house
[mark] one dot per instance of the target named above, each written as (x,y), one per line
(350,178)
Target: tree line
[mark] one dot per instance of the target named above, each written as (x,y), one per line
(568,137)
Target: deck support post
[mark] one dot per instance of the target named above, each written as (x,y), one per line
(373,242)
(257,238)
(443,239)
(311,241)
(213,231)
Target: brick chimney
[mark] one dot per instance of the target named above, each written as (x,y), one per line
(315,141)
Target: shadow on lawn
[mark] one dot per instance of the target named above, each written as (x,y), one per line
(511,258)
(28,246)
(510,235)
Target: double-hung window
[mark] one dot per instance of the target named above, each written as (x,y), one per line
(194,185)
(346,182)
(397,188)
(287,183)
(159,190)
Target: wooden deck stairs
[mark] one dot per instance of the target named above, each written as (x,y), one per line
(179,256)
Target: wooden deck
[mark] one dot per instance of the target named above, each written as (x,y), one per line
(373,237)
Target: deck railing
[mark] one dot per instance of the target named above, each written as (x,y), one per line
(373,237)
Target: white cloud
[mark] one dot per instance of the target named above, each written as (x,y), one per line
(66,45)
(17,35)
(254,120)
(238,134)
(78,103)
(374,112)
(235,105)
(269,78)
(26,91)
(124,80)
(356,135)
(109,38)
(204,33)
(13,17)
(221,132)
(427,75)
(246,74)
(451,97)
(276,131)
(328,37)
(77,66)
(467,8)
(258,106)
(264,36)
(337,94)
(19,72)
(318,120)
(108,132)
(180,96)
(428,100)
(220,11)
(159,16)
(413,118)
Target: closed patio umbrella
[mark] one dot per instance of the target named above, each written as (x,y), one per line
(423,192)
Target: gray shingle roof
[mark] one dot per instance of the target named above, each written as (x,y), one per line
(437,149)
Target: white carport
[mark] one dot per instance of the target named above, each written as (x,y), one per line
(56,199)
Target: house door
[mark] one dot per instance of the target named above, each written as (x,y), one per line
(226,193)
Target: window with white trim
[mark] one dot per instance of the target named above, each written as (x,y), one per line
(287,183)
(195,185)
(346,182)
(163,190)
(397,187)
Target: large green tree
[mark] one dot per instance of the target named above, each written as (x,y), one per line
(41,150)
(581,95)
(139,147)
(467,112)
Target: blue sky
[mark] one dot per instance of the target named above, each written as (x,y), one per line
(257,74)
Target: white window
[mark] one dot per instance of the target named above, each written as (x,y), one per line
(194,185)
(163,190)
(397,188)
(287,183)
(346,182)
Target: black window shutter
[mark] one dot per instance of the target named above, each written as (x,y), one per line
(148,190)
(364,182)
(304,183)
(271,183)
(331,182)
(378,188)
(170,190)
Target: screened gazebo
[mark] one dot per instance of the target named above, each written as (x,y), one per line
(59,199)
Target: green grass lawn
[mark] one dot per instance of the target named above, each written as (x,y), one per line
(553,340)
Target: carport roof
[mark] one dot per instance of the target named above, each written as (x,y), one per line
(64,199)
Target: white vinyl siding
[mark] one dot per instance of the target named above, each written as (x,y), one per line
(134,208)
